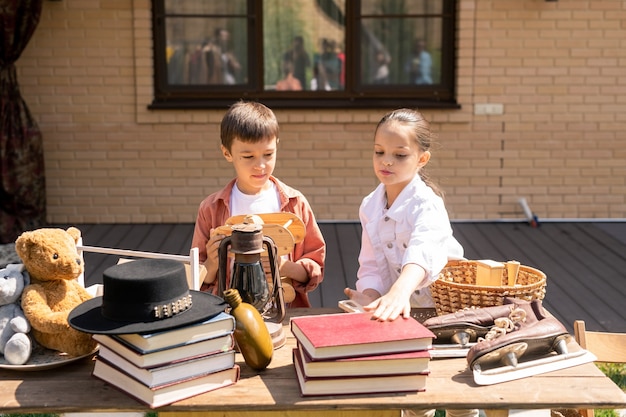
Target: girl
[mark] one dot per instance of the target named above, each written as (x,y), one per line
(407,238)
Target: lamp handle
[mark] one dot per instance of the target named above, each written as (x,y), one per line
(222,265)
(277,287)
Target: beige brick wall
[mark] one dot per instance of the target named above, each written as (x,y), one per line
(556,67)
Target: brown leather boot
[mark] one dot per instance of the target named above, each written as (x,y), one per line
(468,325)
(538,335)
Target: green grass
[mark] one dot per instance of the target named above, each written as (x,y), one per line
(617,373)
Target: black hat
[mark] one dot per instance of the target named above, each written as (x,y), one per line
(144,296)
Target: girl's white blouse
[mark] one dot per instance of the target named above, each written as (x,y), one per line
(415,229)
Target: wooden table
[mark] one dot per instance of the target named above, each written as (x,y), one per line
(275,391)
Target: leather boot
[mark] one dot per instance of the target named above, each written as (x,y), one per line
(538,335)
(468,325)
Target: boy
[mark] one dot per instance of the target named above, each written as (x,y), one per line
(249,135)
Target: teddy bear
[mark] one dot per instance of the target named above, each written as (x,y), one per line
(15,344)
(52,260)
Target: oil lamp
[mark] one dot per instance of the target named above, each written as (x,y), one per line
(256,287)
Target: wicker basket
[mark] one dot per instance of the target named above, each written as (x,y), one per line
(455,289)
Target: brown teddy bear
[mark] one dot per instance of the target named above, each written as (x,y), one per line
(53,263)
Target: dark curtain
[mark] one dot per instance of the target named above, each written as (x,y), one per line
(22,185)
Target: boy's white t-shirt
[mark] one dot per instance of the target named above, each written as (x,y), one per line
(267,201)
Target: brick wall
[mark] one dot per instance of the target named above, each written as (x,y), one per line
(556,68)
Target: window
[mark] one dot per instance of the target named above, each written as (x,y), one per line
(304,53)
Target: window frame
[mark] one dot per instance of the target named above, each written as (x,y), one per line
(441,95)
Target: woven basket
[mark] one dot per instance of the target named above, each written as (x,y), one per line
(455,289)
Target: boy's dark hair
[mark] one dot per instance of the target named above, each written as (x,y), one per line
(248,121)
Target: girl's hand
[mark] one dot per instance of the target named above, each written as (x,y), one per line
(390,306)
(398,300)
(361,298)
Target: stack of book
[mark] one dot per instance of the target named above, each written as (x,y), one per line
(167,366)
(349,353)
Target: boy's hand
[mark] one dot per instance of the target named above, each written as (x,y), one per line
(213,246)
(293,270)
(212,255)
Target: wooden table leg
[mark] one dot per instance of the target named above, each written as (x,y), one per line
(496,413)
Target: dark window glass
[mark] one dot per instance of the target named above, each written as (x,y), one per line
(304,53)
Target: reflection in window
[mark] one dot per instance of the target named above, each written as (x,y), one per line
(397,46)
(203,47)
(304,53)
(303,45)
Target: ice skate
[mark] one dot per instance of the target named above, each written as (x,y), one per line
(515,349)
(462,329)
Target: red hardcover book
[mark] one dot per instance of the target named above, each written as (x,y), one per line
(393,363)
(343,335)
(356,384)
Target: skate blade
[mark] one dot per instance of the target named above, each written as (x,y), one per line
(450,350)
(459,334)
(503,355)
(552,362)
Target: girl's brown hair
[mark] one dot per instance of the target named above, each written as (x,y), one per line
(421,133)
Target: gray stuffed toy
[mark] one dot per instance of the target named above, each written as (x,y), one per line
(15,344)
